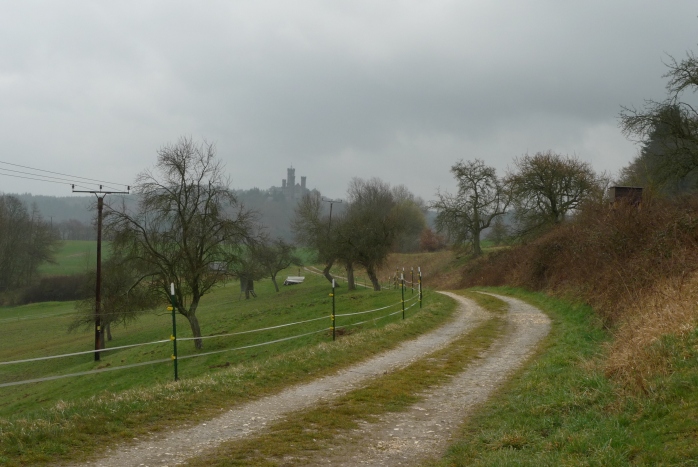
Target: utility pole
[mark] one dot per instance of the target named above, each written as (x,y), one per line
(99,332)
(328,266)
(331,201)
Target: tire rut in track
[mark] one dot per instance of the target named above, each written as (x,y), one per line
(425,430)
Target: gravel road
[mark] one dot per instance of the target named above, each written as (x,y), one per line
(398,439)
(425,430)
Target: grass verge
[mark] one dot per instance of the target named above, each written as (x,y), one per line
(300,435)
(79,427)
(563,410)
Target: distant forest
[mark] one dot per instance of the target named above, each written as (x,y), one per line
(74,216)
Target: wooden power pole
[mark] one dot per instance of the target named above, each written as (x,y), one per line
(99,330)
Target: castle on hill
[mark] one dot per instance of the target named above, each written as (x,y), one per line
(289,187)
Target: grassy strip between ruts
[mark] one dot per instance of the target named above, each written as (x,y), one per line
(562,410)
(302,434)
(79,429)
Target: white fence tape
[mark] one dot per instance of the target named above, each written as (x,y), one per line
(83,373)
(367,311)
(82,353)
(101,370)
(252,330)
(253,345)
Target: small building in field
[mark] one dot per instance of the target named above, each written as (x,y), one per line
(631,195)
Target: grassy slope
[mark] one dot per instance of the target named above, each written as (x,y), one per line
(221,313)
(563,410)
(74,257)
(60,418)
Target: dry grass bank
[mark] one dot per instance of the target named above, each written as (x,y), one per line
(638,268)
(439,269)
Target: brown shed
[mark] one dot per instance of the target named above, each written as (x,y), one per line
(631,195)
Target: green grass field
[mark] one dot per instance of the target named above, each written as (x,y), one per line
(74,257)
(559,410)
(39,330)
(79,256)
(29,413)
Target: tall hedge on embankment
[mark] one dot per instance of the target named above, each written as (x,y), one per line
(636,266)
(607,256)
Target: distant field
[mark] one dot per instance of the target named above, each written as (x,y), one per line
(74,257)
(78,256)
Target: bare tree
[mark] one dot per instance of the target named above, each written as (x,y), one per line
(126,295)
(274,257)
(499,232)
(374,220)
(411,210)
(546,187)
(481,198)
(26,241)
(188,222)
(374,217)
(668,133)
(247,269)
(314,229)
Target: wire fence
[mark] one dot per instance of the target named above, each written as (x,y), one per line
(337,321)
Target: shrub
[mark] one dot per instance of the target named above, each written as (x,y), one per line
(638,269)
(431,241)
(605,256)
(56,288)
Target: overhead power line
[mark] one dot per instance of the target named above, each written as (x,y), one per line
(40,179)
(46,178)
(72,177)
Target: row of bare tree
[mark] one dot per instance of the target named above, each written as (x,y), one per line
(541,191)
(26,241)
(376,220)
(544,188)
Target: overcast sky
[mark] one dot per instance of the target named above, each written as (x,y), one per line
(400,90)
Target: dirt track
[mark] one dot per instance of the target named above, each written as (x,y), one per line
(399,438)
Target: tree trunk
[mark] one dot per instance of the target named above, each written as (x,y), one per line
(194,322)
(326,272)
(374,279)
(195,330)
(351,285)
(477,250)
(273,279)
(247,287)
(108,329)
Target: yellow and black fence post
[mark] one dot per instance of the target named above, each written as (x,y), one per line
(173,307)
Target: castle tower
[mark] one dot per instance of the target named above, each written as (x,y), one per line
(291,177)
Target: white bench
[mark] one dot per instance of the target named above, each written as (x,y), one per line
(292,280)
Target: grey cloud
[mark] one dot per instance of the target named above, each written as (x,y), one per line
(399,90)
